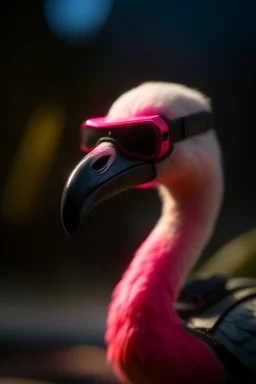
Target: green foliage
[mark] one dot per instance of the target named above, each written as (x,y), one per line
(237,258)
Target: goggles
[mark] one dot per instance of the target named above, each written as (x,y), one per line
(143,137)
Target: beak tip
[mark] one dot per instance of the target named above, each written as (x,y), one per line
(69,228)
(70,221)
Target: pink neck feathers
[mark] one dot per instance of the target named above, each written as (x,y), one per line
(147,342)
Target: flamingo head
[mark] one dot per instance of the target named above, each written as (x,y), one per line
(106,171)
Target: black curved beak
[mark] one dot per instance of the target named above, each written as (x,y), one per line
(101,174)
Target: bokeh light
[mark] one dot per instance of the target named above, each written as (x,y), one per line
(32,162)
(77,21)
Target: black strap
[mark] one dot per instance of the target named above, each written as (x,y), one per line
(190,125)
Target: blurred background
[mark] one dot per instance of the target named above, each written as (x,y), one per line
(64,61)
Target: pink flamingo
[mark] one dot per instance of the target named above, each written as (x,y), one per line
(148,342)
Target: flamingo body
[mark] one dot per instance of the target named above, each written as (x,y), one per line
(143,328)
(150,339)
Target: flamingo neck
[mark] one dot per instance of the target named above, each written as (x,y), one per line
(143,328)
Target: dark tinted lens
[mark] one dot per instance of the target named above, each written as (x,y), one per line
(90,136)
(138,139)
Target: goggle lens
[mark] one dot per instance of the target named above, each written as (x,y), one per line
(140,140)
(144,137)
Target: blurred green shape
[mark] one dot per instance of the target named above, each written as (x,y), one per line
(237,258)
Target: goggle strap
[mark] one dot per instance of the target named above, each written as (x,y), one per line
(190,125)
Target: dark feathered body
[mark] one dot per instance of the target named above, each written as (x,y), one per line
(223,313)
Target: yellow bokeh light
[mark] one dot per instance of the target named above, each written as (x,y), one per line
(32,162)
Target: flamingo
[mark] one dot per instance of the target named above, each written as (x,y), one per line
(149,339)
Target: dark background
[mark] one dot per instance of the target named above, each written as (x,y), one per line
(53,285)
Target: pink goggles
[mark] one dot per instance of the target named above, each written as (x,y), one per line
(143,137)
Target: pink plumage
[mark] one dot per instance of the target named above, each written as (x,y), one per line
(147,342)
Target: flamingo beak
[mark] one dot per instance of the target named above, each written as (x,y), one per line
(101,174)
